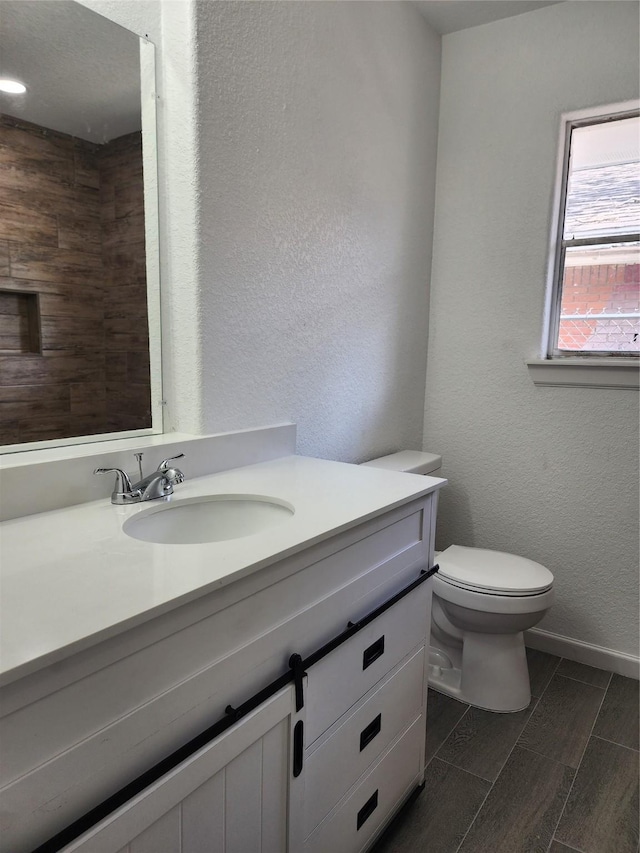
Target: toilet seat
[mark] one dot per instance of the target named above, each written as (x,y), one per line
(488,601)
(492,572)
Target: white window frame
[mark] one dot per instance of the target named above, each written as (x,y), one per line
(590,369)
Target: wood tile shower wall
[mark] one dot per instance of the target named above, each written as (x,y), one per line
(125,307)
(65,209)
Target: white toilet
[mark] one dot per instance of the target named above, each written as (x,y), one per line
(482,602)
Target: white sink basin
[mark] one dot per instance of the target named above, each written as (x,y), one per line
(213,518)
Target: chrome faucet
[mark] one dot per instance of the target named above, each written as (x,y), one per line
(157,485)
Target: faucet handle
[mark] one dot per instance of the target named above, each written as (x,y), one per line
(122,486)
(163,466)
(173,475)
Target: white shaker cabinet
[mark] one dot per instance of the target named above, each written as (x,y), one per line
(76,733)
(361,753)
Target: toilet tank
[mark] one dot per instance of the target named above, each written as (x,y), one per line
(409,461)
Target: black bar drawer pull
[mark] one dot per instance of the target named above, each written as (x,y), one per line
(368,809)
(373,652)
(367,734)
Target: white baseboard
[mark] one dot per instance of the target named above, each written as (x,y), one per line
(587,653)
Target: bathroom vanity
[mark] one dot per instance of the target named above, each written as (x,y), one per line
(299,651)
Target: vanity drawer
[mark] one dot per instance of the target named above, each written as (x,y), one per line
(368,808)
(360,737)
(337,681)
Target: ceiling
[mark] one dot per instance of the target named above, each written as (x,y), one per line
(81,70)
(448,16)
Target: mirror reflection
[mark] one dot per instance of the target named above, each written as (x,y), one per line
(74,340)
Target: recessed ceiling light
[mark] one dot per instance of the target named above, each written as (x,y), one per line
(12,87)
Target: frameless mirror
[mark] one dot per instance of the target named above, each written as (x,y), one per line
(78,228)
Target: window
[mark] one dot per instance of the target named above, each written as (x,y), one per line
(594,305)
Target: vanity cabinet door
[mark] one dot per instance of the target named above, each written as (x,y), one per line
(230,797)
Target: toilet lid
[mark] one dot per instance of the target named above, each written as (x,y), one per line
(492,571)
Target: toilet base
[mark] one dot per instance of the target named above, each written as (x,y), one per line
(494,675)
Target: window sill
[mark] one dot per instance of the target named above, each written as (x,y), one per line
(592,372)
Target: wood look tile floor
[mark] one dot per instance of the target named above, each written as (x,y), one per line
(559,777)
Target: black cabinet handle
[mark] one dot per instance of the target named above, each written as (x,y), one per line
(298,731)
(367,809)
(367,734)
(373,652)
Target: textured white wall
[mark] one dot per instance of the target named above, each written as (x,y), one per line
(297,148)
(317,140)
(139,16)
(549,473)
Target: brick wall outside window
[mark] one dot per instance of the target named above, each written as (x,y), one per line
(600,289)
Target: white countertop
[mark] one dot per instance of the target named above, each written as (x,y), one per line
(71,578)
